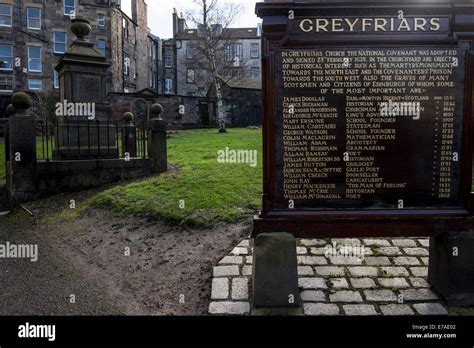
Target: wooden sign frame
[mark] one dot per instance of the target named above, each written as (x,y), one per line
(303,223)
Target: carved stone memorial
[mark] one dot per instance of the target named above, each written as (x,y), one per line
(83,130)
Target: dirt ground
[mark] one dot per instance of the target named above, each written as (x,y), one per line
(168,270)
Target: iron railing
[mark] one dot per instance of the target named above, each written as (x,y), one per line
(90,139)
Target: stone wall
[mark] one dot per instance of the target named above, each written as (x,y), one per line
(66,176)
(243,108)
(191,118)
(125,102)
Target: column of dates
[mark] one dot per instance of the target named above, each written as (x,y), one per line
(445,108)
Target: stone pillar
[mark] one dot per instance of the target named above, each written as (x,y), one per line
(21,172)
(157,148)
(5,205)
(10,111)
(451,267)
(275,271)
(129,135)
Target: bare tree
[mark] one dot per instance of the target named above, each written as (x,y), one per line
(212,19)
(44,107)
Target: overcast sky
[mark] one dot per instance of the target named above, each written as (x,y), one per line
(159,14)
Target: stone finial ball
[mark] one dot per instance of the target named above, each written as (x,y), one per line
(21,101)
(10,110)
(156,109)
(128,117)
(81,27)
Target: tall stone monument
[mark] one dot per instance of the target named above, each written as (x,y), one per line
(368,121)
(83,88)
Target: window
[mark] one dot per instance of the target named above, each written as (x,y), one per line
(125,28)
(153,77)
(237,72)
(6,84)
(6,57)
(34,59)
(254,50)
(33,16)
(190,76)
(60,42)
(35,84)
(238,52)
(234,53)
(153,51)
(55,79)
(134,35)
(189,52)
(169,60)
(126,64)
(228,53)
(169,86)
(255,73)
(5,15)
(134,69)
(101,20)
(69,7)
(101,47)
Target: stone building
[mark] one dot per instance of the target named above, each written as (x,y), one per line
(169,67)
(187,87)
(34,34)
(238,55)
(136,48)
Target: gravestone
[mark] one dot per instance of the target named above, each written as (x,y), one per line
(367,123)
(83,85)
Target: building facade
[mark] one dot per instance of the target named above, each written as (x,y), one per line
(169,67)
(34,34)
(237,55)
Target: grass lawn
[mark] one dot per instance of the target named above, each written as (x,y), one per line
(203,191)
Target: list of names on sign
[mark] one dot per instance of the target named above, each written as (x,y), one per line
(370,127)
